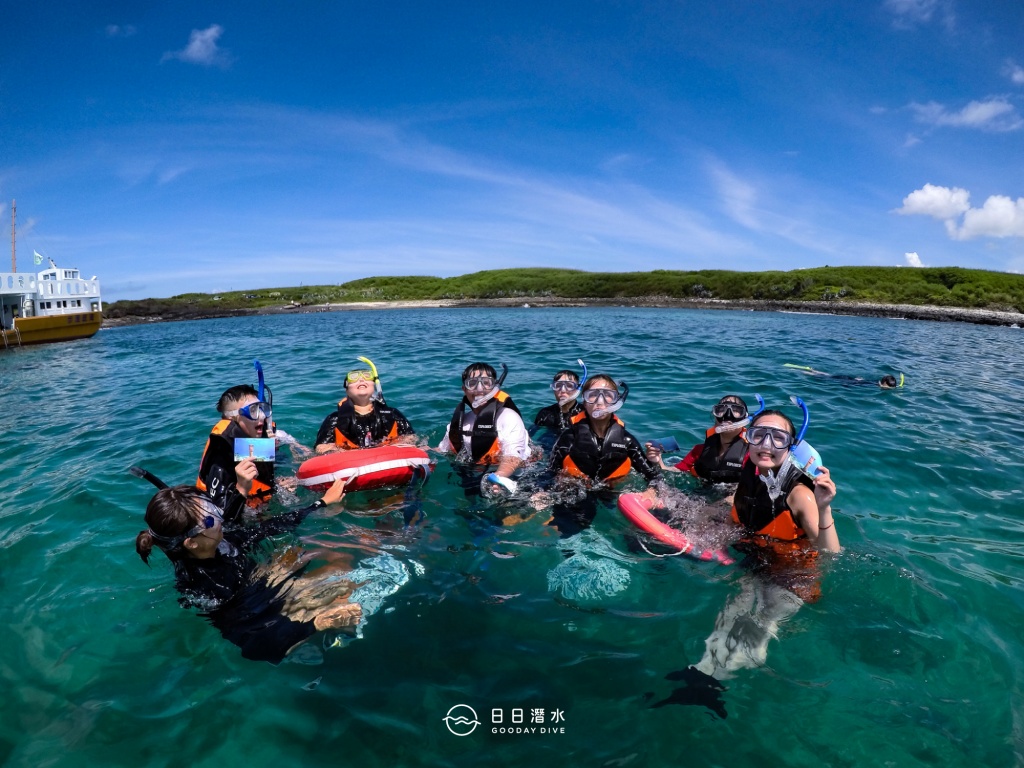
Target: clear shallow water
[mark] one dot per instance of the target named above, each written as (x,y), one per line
(912,657)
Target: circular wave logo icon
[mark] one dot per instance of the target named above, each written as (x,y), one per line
(461,720)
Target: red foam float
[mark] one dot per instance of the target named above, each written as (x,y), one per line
(636,508)
(367,468)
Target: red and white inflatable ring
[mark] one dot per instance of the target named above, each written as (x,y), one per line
(366,468)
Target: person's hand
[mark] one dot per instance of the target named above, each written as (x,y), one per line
(337,616)
(653,454)
(245,473)
(824,488)
(336,492)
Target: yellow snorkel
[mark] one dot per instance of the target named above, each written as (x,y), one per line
(378,390)
(901,381)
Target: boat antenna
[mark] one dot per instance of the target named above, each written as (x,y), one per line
(14,261)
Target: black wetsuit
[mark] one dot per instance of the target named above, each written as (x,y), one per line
(555,421)
(363,430)
(235,598)
(579,450)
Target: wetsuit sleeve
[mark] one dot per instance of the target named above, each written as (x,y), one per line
(404,427)
(546,418)
(326,434)
(561,449)
(686,465)
(218,469)
(638,459)
(275,526)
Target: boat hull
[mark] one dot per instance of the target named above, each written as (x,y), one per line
(43,330)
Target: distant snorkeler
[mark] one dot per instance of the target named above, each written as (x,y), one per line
(886,382)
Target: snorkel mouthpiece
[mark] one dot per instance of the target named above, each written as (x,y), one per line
(807,418)
(733,426)
(602,412)
(477,402)
(378,390)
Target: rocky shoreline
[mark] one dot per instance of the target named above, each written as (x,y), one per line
(860,309)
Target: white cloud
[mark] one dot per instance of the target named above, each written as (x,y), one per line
(999,215)
(935,201)
(913,260)
(202,48)
(994,114)
(1014,71)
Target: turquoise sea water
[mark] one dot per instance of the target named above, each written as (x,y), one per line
(913,656)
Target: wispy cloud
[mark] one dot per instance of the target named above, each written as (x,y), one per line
(737,196)
(910,14)
(1014,72)
(202,49)
(994,114)
(912,259)
(999,215)
(120,30)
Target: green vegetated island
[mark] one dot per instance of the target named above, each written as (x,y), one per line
(935,293)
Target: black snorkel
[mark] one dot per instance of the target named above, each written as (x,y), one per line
(146,475)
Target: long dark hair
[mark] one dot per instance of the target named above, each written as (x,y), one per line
(170,513)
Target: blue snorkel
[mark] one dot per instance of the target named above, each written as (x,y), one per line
(262,385)
(265,396)
(801,453)
(807,419)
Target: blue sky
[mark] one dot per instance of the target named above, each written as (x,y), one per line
(189,146)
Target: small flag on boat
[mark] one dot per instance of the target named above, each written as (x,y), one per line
(37,257)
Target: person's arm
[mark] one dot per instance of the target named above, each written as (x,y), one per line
(287,521)
(513,443)
(325,436)
(445,446)
(812,511)
(639,461)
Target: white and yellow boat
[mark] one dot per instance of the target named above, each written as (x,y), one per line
(53,305)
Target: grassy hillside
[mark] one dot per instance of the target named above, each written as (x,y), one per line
(938,286)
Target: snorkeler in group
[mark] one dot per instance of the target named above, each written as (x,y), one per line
(556,418)
(597,449)
(245,412)
(487,427)
(363,419)
(719,458)
(786,519)
(263,610)
(886,382)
